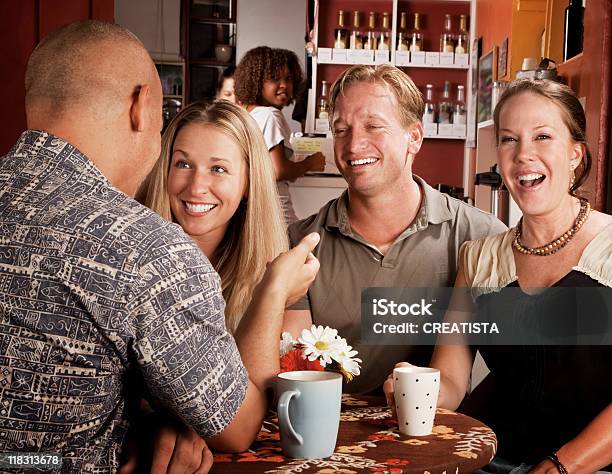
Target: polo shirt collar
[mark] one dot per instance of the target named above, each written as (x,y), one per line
(434,210)
(435,203)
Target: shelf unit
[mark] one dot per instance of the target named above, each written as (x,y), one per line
(442,159)
(411,66)
(206,24)
(172,77)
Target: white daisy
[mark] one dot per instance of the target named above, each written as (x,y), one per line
(320,343)
(286,344)
(347,360)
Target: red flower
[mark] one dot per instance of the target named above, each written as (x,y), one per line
(294,360)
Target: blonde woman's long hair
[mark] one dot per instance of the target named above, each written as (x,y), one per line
(256,233)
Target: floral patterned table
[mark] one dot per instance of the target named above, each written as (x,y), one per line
(368,441)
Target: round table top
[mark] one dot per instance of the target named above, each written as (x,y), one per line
(369,441)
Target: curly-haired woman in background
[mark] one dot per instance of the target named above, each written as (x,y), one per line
(266,81)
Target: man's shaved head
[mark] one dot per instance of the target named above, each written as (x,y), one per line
(90,64)
(94,85)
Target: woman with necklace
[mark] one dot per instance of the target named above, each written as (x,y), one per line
(550,406)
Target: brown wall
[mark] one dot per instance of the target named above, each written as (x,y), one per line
(493,22)
(521,21)
(595,84)
(23,24)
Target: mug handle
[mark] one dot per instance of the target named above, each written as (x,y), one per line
(283,415)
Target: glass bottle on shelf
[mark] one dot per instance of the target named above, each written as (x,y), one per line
(447,41)
(430,107)
(356,39)
(459,111)
(445,106)
(402,33)
(370,41)
(415,39)
(340,33)
(323,109)
(384,39)
(461,45)
(573,33)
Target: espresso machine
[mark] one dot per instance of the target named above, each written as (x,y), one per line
(499,194)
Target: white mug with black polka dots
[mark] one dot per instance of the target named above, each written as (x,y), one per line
(416,394)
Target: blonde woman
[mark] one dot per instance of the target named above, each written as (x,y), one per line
(214,178)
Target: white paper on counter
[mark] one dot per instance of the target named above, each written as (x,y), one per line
(304,146)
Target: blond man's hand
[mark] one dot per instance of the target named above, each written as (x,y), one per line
(388,388)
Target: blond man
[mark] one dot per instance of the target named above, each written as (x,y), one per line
(390,228)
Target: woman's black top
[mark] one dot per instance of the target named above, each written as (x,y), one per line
(539,397)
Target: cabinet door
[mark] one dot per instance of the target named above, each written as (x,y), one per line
(209,43)
(26,22)
(156,23)
(214,9)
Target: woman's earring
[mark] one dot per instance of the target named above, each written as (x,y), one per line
(572,179)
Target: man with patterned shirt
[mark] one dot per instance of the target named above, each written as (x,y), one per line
(97,290)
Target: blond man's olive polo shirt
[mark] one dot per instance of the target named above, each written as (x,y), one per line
(424,255)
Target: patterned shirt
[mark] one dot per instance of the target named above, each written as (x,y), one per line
(97,291)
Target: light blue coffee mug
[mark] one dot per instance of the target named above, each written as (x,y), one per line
(309,412)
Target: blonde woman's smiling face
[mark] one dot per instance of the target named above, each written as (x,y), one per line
(207,180)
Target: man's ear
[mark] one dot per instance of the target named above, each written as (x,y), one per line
(138,110)
(416,137)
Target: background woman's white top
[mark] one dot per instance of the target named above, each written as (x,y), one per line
(275,130)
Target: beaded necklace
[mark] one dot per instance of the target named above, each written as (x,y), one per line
(558,243)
